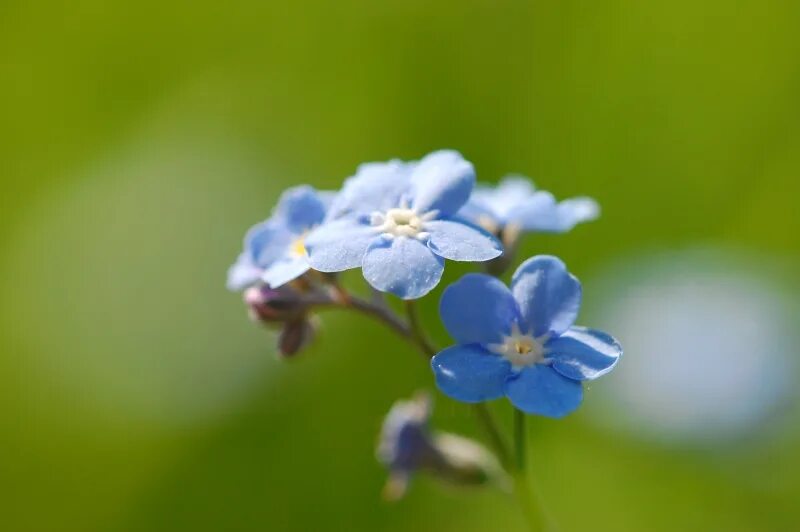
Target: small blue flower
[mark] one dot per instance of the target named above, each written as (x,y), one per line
(396,221)
(521,343)
(515,202)
(274,250)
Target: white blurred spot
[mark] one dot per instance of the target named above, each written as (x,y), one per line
(709,346)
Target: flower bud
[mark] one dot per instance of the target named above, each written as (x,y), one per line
(296,335)
(267,304)
(407,445)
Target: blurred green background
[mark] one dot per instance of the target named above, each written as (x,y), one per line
(139,140)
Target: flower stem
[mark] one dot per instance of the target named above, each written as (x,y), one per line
(523,491)
(490,427)
(417,332)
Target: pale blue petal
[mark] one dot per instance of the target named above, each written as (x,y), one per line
(541,213)
(541,390)
(459,241)
(300,208)
(402,266)
(577,210)
(547,294)
(339,245)
(583,354)
(536,212)
(478,308)
(442,181)
(478,210)
(267,242)
(375,187)
(242,273)
(285,270)
(510,192)
(470,374)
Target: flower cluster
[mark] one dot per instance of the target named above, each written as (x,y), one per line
(399,222)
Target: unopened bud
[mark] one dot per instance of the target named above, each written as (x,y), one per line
(267,304)
(407,445)
(296,335)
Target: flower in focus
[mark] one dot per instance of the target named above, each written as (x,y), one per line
(274,250)
(397,222)
(521,343)
(407,445)
(515,203)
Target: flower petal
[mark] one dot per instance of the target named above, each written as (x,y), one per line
(242,273)
(301,208)
(583,354)
(442,181)
(470,374)
(540,389)
(402,266)
(374,187)
(541,213)
(339,245)
(478,308)
(460,241)
(285,270)
(547,294)
(266,242)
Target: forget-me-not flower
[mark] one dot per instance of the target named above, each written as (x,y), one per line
(521,343)
(274,250)
(397,222)
(515,202)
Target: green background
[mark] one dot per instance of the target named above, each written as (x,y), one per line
(139,140)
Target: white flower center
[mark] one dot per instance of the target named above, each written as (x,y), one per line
(521,349)
(402,222)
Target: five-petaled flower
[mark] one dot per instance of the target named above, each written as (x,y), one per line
(397,222)
(521,343)
(515,203)
(274,250)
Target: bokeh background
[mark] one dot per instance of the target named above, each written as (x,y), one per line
(138,140)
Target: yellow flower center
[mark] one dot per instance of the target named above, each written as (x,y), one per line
(298,247)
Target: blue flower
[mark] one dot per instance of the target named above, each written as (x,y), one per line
(521,343)
(396,221)
(273,250)
(515,202)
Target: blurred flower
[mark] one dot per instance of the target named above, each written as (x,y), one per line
(274,250)
(521,342)
(712,337)
(407,445)
(395,221)
(296,334)
(516,205)
(266,304)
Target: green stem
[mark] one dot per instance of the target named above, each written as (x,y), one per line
(526,497)
(417,333)
(490,427)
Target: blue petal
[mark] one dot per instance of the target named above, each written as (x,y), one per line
(583,354)
(478,308)
(300,208)
(339,245)
(402,266)
(470,374)
(510,192)
(536,212)
(267,242)
(540,389)
(285,270)
(459,241)
(375,187)
(547,294)
(243,273)
(541,213)
(442,181)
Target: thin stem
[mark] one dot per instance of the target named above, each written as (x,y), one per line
(417,332)
(490,427)
(526,496)
(519,439)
